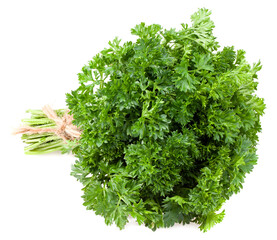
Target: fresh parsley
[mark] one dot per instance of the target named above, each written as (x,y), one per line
(169,126)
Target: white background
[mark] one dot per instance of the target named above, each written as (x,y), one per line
(44,44)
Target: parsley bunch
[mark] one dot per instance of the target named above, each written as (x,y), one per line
(169,126)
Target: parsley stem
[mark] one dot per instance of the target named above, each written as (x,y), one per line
(40,143)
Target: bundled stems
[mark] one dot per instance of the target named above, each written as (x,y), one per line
(48,130)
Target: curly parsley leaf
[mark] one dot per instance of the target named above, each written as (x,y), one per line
(169,126)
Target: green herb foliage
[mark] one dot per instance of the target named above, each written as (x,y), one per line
(169,126)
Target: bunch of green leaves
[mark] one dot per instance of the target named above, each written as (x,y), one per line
(169,126)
